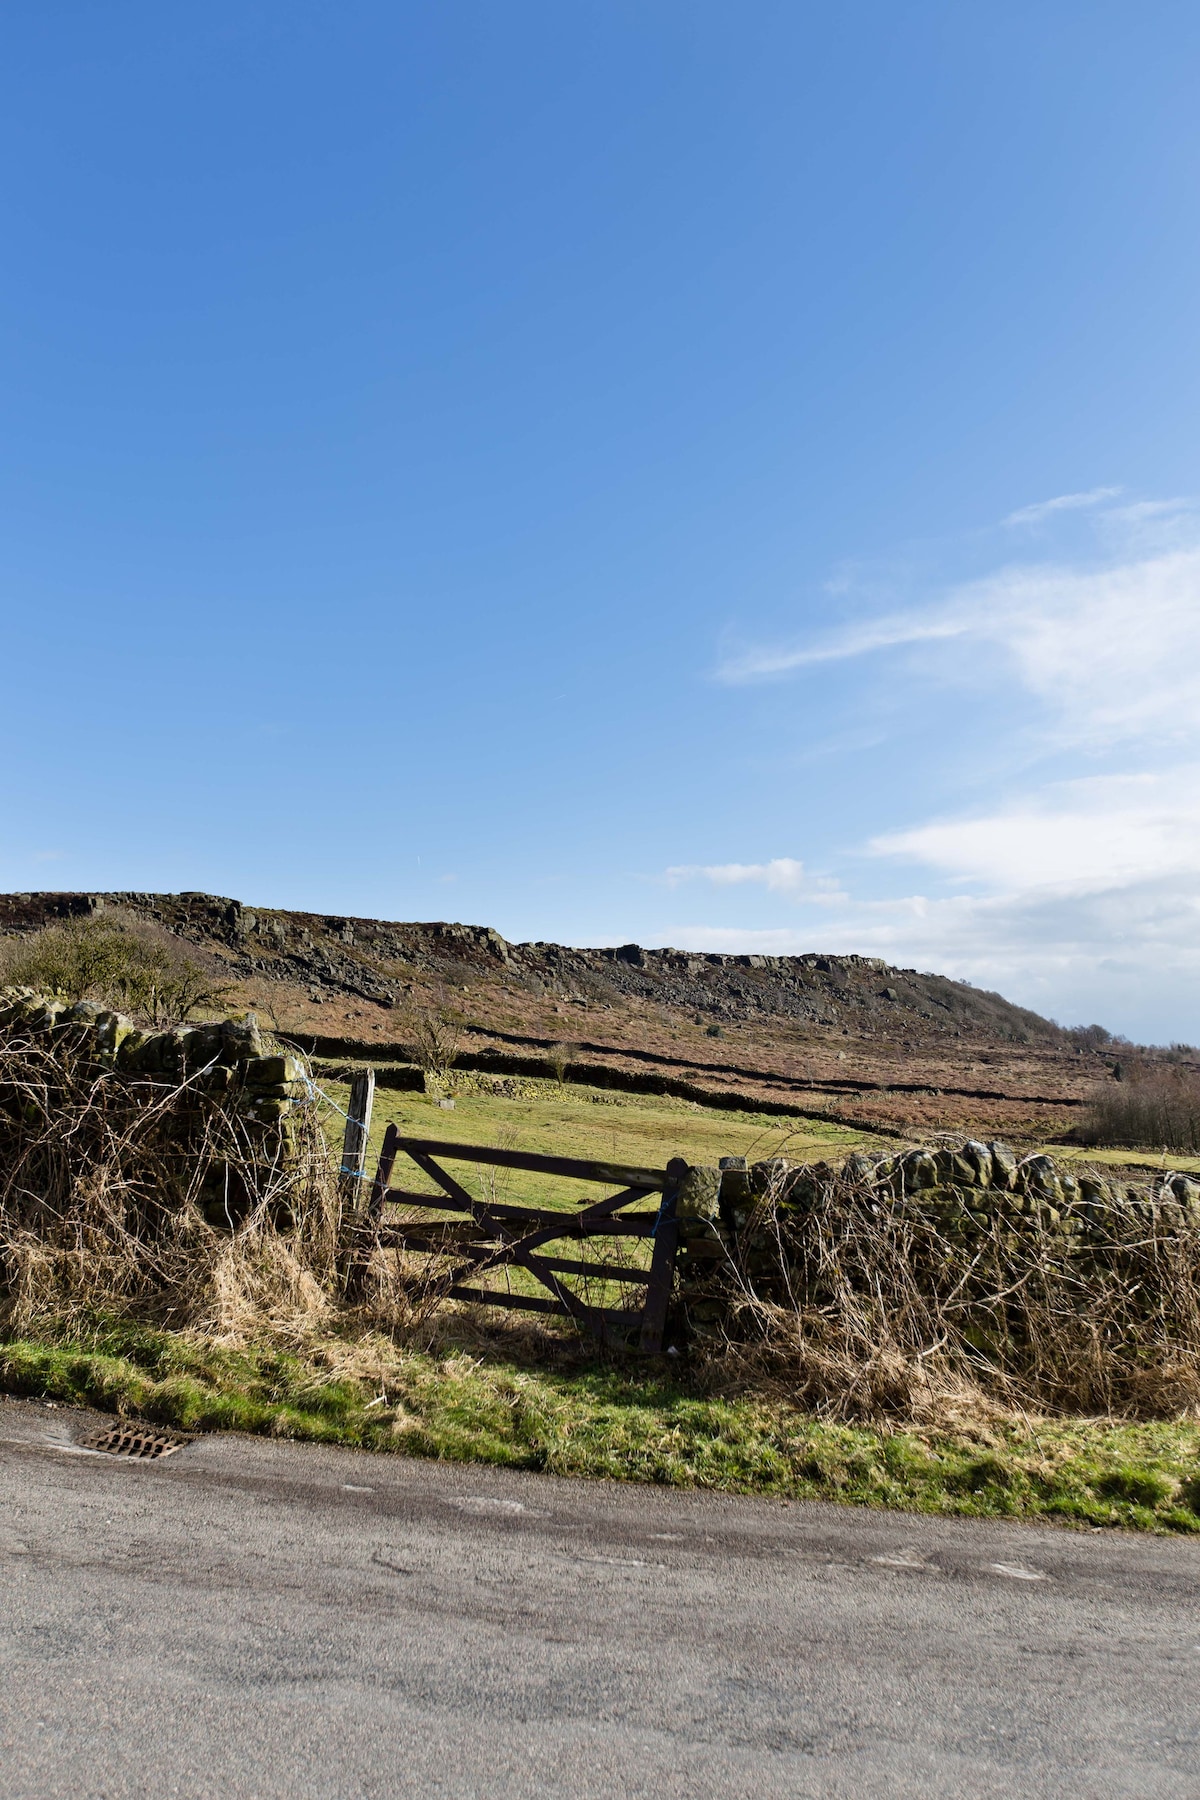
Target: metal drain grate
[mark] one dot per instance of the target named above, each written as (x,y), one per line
(141,1441)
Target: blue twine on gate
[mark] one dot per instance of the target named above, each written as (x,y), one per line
(667,1193)
(314,1090)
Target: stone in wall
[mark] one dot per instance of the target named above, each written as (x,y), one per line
(742,1224)
(227,1057)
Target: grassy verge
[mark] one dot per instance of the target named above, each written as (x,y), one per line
(627,1423)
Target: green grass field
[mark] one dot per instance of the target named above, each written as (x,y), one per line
(1125,1159)
(644,1130)
(594,1124)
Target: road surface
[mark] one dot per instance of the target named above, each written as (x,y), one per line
(249,1618)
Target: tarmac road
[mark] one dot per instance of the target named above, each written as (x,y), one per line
(249,1618)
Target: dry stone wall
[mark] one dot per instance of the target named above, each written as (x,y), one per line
(225,1060)
(748,1228)
(216,1104)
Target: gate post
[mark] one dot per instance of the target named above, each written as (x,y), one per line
(354,1142)
(662,1263)
(364,1223)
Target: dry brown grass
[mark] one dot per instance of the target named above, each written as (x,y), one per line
(152,1200)
(148,1198)
(860,1308)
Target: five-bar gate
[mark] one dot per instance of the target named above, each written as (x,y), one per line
(484,1236)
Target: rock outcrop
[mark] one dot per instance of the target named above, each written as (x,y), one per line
(379,961)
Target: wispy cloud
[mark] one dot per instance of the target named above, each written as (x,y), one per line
(881,634)
(1047,509)
(781,875)
(1111,652)
(1079,896)
(1110,648)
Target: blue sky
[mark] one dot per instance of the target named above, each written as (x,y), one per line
(715,475)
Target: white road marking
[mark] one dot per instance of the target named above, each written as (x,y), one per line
(618,1562)
(50,1443)
(484,1503)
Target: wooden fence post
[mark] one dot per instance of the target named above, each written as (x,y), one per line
(354,1143)
(662,1263)
(364,1221)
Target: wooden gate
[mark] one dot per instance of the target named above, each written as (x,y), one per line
(491,1235)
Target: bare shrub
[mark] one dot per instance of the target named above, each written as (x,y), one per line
(862,1305)
(120,961)
(435,1046)
(1088,1037)
(1159,1109)
(559,1058)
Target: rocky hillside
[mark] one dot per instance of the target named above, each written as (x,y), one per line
(895,1039)
(379,961)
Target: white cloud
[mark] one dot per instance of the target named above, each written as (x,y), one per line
(1084,836)
(1083,895)
(1128,955)
(1110,649)
(1109,652)
(1046,509)
(782,875)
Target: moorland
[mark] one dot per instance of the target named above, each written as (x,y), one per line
(631,1054)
